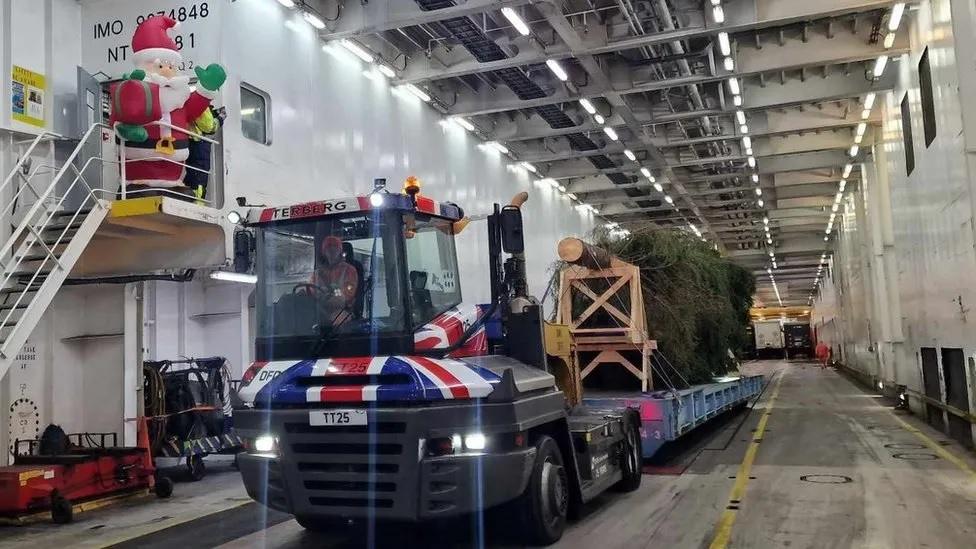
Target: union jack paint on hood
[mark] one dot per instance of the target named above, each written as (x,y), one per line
(447,328)
(367,379)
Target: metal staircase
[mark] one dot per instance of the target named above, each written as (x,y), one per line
(38,256)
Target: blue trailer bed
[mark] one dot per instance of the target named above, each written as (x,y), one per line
(667,415)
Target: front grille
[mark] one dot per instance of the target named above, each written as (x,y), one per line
(342,470)
(382,503)
(348,448)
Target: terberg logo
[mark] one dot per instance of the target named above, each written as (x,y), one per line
(310,209)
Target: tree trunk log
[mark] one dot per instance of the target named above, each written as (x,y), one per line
(575,251)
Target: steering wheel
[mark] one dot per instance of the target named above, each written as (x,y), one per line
(308,286)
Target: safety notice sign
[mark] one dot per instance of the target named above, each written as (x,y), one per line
(27,96)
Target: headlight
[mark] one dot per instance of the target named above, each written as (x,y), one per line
(267,445)
(475,441)
(234,217)
(376,200)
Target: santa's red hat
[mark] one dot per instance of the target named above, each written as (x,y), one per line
(151,41)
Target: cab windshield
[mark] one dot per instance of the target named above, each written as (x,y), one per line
(352,285)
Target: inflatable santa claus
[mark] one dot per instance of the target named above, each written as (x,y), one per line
(154,105)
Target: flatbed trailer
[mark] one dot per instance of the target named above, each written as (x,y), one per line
(668,415)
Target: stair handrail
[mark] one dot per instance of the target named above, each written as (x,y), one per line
(124,183)
(23,158)
(22,226)
(49,253)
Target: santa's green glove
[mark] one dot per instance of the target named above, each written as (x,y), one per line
(137,74)
(131,132)
(212,77)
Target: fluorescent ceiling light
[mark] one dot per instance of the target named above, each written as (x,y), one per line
(889,40)
(752,162)
(357,50)
(861,128)
(417,92)
(571,195)
(729,64)
(313,20)
(587,106)
(865,114)
(743,129)
(234,277)
(869,100)
(498,147)
(769,241)
(630,154)
(835,207)
(723,43)
(611,133)
(847,170)
(896,12)
(734,86)
(879,66)
(516,21)
(387,71)
(761,203)
(375,76)
(758,191)
(529,167)
(561,188)
(552,183)
(737,100)
(755,178)
(557,69)
(462,122)
(747,142)
(668,199)
(749,151)
(718,14)
(838,197)
(287,3)
(658,188)
(843,185)
(645,172)
(854,150)
(599,118)
(740,116)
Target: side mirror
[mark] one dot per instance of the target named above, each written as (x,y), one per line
(513,240)
(241,201)
(243,246)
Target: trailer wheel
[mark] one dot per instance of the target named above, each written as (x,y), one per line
(632,459)
(62,512)
(196,467)
(544,504)
(164,487)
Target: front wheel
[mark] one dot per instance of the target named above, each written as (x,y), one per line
(631,456)
(544,504)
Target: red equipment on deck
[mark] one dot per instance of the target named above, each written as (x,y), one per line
(88,467)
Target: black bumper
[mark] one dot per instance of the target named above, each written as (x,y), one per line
(381,470)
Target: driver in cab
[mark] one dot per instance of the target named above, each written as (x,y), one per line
(336,283)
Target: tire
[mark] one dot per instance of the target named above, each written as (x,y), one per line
(543,506)
(62,512)
(196,467)
(633,457)
(164,487)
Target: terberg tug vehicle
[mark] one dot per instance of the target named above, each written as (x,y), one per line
(415,406)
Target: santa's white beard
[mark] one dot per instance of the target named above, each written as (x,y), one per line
(173,92)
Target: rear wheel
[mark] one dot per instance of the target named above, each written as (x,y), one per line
(164,487)
(632,457)
(62,512)
(544,504)
(196,467)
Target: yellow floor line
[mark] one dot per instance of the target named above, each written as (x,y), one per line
(937,448)
(723,531)
(145,530)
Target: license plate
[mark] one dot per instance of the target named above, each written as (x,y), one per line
(336,417)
